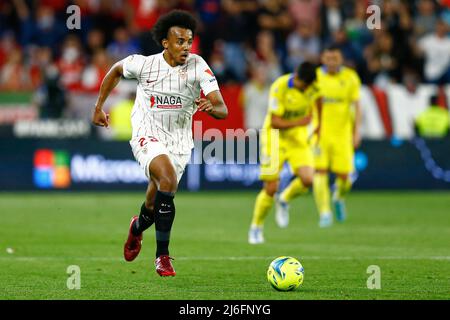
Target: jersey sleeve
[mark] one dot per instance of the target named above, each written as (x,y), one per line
(355,92)
(132,66)
(276,100)
(207,80)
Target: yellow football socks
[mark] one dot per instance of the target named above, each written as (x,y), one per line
(263,204)
(342,188)
(322,193)
(295,188)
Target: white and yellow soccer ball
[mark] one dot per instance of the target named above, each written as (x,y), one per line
(285,273)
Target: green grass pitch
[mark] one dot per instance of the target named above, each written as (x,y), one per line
(406,234)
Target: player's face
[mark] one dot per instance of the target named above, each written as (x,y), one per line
(333,60)
(178,44)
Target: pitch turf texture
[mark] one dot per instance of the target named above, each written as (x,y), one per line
(406,234)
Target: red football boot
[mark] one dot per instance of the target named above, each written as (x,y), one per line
(133,245)
(164,267)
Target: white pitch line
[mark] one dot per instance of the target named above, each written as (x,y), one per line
(46,258)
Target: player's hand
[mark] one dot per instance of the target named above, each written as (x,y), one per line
(204,105)
(305,120)
(356,140)
(100,118)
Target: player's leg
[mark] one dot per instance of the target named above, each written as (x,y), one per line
(166,178)
(140,223)
(146,216)
(302,161)
(343,186)
(263,204)
(145,149)
(154,159)
(299,186)
(342,166)
(163,172)
(321,192)
(272,160)
(321,184)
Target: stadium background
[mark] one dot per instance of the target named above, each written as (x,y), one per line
(50,75)
(49,78)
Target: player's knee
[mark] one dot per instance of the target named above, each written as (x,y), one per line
(168,183)
(307,181)
(271,188)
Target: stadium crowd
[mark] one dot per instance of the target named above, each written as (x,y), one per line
(238,38)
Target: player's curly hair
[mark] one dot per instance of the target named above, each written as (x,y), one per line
(175,18)
(307,72)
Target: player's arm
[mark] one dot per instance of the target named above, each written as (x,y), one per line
(112,78)
(356,93)
(357,125)
(282,124)
(319,108)
(213,105)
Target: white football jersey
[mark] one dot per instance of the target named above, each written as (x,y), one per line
(165,96)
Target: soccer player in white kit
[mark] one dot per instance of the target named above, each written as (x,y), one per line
(167,96)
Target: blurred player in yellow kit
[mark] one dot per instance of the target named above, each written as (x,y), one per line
(285,138)
(339,133)
(336,140)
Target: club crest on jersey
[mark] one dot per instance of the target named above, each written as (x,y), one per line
(165,102)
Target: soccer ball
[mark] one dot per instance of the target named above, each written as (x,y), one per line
(285,274)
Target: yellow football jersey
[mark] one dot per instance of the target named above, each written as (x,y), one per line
(288,102)
(339,92)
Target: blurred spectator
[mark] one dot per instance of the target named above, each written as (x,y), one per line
(39,59)
(103,15)
(141,15)
(411,80)
(230,32)
(356,27)
(445,14)
(14,76)
(303,45)
(238,24)
(436,49)
(45,29)
(120,118)
(209,13)
(122,46)
(95,72)
(9,20)
(305,11)
(265,53)
(426,18)
(332,19)
(255,96)
(273,15)
(95,41)
(434,121)
(218,65)
(382,62)
(51,96)
(7,45)
(352,56)
(71,63)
